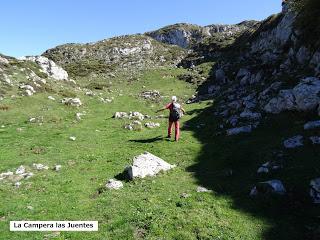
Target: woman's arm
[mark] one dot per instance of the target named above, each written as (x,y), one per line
(162,109)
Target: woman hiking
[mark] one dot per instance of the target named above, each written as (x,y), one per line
(175,114)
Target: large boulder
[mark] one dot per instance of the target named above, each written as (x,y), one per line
(268,187)
(147,164)
(49,67)
(303,97)
(284,101)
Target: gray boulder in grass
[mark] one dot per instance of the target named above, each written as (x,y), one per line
(147,164)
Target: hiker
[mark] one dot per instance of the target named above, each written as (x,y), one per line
(175,114)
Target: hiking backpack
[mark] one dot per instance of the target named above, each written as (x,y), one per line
(175,114)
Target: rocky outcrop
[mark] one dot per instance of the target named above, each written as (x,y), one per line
(48,67)
(187,35)
(303,97)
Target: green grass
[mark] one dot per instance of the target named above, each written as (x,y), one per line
(150,208)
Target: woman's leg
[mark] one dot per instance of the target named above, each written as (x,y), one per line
(170,128)
(177,130)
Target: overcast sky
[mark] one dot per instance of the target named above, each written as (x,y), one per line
(29,27)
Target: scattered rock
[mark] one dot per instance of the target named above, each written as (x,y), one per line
(40,166)
(51,98)
(90,93)
(151,125)
(57,168)
(105,100)
(36,119)
(185,195)
(17,184)
(20,170)
(114,184)
(268,187)
(268,166)
(75,102)
(29,90)
(315,190)
(136,116)
(312,125)
(5,175)
(203,189)
(30,208)
(315,140)
(250,115)
(147,164)
(72,138)
(294,142)
(236,131)
(79,115)
(134,126)
(121,115)
(151,95)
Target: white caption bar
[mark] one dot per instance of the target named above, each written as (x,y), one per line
(42,226)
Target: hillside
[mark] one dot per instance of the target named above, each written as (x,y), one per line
(115,55)
(188,35)
(246,166)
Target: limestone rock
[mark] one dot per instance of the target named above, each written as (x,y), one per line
(151,95)
(250,115)
(312,125)
(49,67)
(284,101)
(29,90)
(236,131)
(51,98)
(268,187)
(147,164)
(203,189)
(136,116)
(75,102)
(134,126)
(40,166)
(151,125)
(57,168)
(294,142)
(20,170)
(114,184)
(121,115)
(315,140)
(315,190)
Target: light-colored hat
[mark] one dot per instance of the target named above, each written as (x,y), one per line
(174,98)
